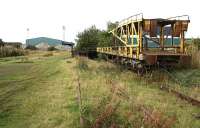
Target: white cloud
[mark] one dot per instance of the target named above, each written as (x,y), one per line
(46,17)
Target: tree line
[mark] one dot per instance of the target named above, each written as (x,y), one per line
(93,37)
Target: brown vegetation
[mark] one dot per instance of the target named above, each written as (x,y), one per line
(193,48)
(11,51)
(196,59)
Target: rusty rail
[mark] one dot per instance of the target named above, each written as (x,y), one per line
(181,95)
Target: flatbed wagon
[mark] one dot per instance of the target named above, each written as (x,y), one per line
(149,41)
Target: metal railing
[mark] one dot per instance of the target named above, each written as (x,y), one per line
(182,17)
(137,17)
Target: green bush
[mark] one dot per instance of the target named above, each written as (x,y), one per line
(48,54)
(196,43)
(52,48)
(93,37)
(82,63)
(31,47)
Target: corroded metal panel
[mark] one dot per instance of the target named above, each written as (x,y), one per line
(153,28)
(185,60)
(184,25)
(151,59)
(147,25)
(177,28)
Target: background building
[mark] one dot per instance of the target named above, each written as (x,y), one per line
(43,43)
(10,44)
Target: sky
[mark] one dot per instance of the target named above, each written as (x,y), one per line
(45,18)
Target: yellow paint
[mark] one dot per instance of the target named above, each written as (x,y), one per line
(134,27)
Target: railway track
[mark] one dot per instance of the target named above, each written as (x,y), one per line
(147,72)
(163,86)
(181,96)
(178,94)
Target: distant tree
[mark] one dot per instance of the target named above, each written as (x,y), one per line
(105,39)
(88,39)
(1,42)
(196,42)
(111,25)
(92,37)
(113,41)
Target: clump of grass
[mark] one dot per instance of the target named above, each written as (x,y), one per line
(4,59)
(156,119)
(116,108)
(82,63)
(102,56)
(105,114)
(24,60)
(48,54)
(68,61)
(109,112)
(195,59)
(107,67)
(142,106)
(193,48)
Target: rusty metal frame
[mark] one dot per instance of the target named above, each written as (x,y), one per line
(134,27)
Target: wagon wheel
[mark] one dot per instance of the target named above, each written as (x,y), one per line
(141,70)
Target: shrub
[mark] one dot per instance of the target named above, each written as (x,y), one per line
(193,48)
(31,47)
(52,48)
(48,54)
(82,63)
(195,59)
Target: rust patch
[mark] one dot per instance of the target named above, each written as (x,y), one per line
(151,59)
(185,60)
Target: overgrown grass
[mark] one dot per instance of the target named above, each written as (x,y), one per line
(116,98)
(188,82)
(193,48)
(82,63)
(48,54)
(38,94)
(43,93)
(196,59)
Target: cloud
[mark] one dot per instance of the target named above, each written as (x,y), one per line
(46,17)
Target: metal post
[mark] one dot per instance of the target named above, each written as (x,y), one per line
(132,39)
(138,41)
(63,27)
(131,52)
(140,37)
(126,34)
(172,28)
(182,42)
(146,44)
(162,37)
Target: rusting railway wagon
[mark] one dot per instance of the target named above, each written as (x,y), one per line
(149,41)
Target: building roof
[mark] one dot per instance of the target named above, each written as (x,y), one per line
(50,41)
(67,43)
(13,43)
